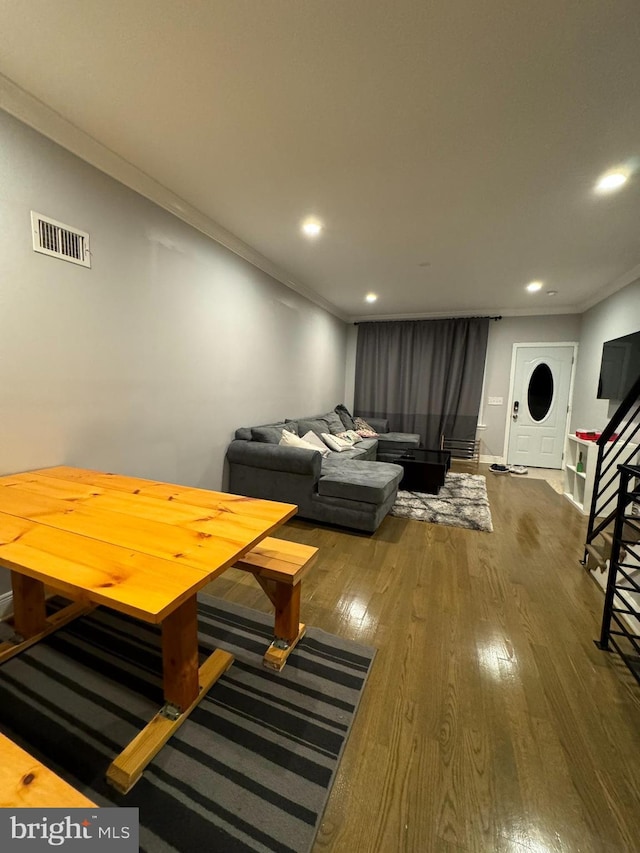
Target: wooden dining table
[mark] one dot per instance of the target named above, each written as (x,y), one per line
(140,547)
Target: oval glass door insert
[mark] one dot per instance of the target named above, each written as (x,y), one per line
(540,392)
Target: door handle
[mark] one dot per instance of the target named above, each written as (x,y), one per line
(516,406)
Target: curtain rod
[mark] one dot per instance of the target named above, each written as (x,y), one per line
(420,320)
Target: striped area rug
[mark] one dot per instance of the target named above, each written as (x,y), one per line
(250,770)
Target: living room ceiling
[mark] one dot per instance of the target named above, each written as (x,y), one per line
(450,149)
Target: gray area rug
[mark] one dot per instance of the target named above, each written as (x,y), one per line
(462,502)
(250,770)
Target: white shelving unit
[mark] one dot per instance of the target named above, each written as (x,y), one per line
(578,485)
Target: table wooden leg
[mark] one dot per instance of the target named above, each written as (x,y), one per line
(29,611)
(184,686)
(30,621)
(180,655)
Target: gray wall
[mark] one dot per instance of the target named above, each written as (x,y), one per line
(146,363)
(614,317)
(503,334)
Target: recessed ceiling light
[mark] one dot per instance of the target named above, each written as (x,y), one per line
(311,227)
(534,286)
(371,297)
(611,181)
(552,292)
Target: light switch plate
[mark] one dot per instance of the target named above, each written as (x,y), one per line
(496,401)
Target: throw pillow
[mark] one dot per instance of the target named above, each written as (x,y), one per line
(269,434)
(290,440)
(345,416)
(335,443)
(334,421)
(317,425)
(364,429)
(311,438)
(350,435)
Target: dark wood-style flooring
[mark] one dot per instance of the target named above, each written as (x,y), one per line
(490,722)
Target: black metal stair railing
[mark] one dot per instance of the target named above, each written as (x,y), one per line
(621,614)
(613,452)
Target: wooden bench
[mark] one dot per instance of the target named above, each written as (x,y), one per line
(26,783)
(279,566)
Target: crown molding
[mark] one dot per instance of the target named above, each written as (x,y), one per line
(42,118)
(627,278)
(479,312)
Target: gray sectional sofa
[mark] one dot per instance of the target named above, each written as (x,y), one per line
(355,488)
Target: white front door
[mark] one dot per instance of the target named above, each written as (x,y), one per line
(540,402)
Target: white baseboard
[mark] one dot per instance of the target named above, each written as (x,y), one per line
(490,460)
(6,604)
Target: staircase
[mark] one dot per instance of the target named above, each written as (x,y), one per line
(621,615)
(613,533)
(612,452)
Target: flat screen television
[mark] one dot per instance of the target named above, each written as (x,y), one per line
(620,367)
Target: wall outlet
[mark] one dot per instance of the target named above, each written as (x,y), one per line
(495,401)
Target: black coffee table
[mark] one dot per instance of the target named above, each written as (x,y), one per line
(424,470)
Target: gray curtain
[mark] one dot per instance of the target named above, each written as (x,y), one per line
(425,376)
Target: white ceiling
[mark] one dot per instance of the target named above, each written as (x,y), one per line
(449,146)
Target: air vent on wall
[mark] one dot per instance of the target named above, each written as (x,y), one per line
(59,240)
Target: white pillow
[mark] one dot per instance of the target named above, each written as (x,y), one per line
(350,435)
(312,438)
(336,443)
(290,440)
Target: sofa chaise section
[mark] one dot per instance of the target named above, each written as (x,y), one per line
(349,489)
(324,490)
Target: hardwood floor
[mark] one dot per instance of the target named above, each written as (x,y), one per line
(490,722)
